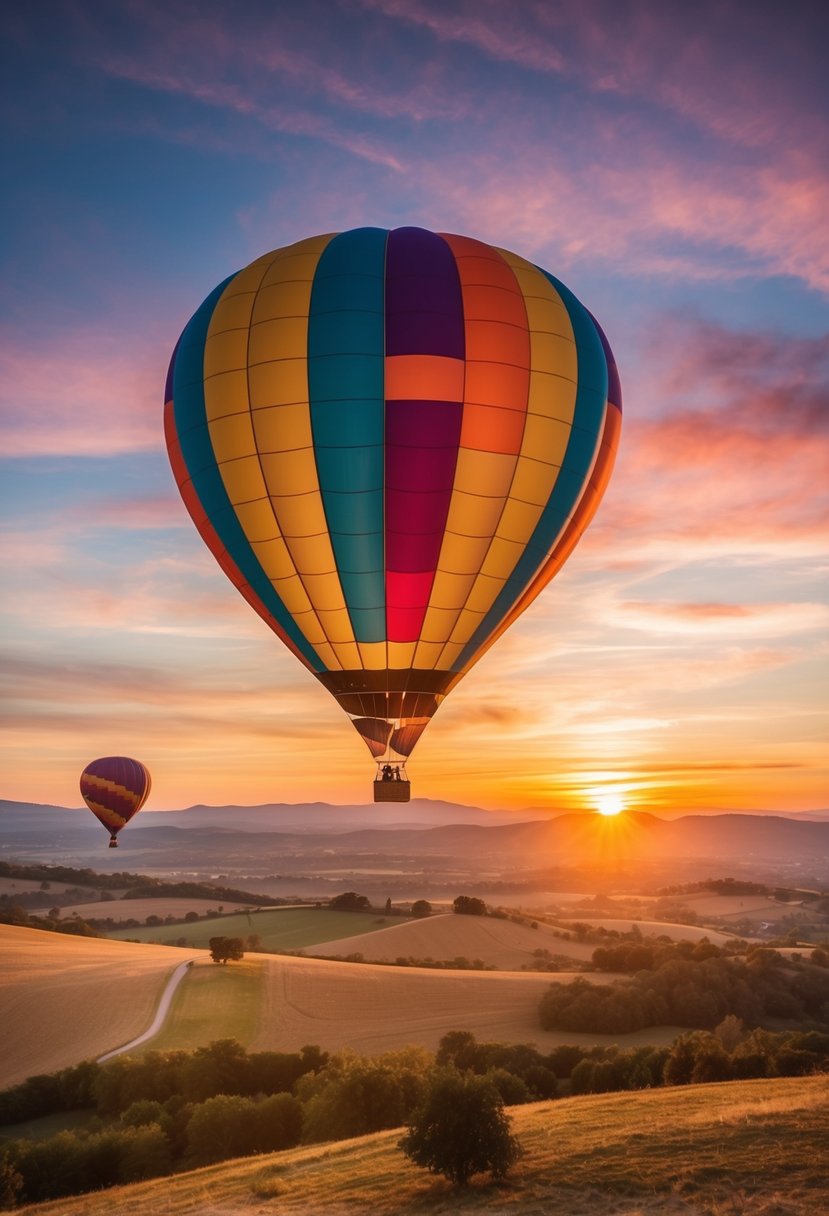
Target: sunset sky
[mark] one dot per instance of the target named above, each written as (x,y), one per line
(668,161)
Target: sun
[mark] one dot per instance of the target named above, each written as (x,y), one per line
(609,803)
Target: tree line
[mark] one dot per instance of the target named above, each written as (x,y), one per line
(161,1112)
(690,984)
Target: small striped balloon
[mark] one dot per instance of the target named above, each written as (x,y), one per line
(115,788)
(391,441)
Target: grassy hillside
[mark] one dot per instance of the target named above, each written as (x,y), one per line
(754,1148)
(279,928)
(213,1002)
(65,999)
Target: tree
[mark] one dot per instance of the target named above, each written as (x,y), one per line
(349,901)
(224,949)
(468,905)
(459,1049)
(354,1095)
(421,908)
(278,1123)
(221,1127)
(680,1063)
(220,1068)
(11,1184)
(461,1129)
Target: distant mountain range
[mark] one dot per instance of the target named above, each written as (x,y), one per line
(417,815)
(421,833)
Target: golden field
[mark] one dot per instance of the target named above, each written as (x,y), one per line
(499,943)
(655,928)
(64,999)
(742,1148)
(140,909)
(373,1008)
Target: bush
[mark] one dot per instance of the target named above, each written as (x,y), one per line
(461,1129)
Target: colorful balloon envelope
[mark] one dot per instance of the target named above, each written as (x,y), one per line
(115,788)
(391,441)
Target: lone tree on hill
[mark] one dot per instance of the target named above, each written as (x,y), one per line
(461,1129)
(226,949)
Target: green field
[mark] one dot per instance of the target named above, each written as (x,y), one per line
(213,1002)
(279,928)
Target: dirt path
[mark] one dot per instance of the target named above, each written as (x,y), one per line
(160,1014)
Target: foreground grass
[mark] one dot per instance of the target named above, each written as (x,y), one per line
(279,928)
(213,1002)
(747,1148)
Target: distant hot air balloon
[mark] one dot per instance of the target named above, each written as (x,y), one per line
(391,442)
(115,788)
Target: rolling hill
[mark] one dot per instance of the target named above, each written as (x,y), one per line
(757,1148)
(64,999)
(498,943)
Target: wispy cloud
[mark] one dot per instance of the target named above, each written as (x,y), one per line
(740,620)
(743,75)
(726,452)
(88,392)
(278,118)
(638,211)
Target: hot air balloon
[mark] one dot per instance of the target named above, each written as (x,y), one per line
(115,788)
(391,441)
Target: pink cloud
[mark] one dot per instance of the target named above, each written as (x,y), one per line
(752,196)
(740,620)
(749,198)
(750,77)
(492,30)
(639,209)
(725,452)
(86,392)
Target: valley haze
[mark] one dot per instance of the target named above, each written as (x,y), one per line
(431,848)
